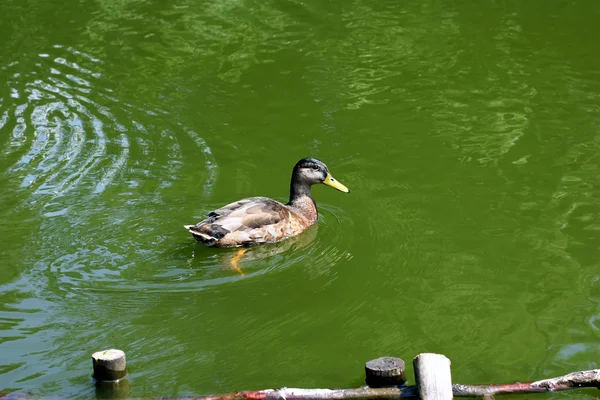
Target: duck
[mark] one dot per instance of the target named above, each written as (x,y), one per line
(258,220)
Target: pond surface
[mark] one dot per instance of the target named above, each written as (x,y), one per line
(467,132)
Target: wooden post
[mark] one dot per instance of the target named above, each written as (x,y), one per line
(385,371)
(433,377)
(110,374)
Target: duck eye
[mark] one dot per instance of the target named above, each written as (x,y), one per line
(315,167)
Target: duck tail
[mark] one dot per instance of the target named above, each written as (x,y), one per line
(201,236)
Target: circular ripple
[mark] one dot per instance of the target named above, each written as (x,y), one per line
(61,128)
(65,140)
(194,267)
(58,137)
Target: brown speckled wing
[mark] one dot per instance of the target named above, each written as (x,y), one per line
(250,213)
(229,208)
(264,213)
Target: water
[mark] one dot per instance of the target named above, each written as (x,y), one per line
(467,133)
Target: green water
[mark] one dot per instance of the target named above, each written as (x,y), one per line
(468,133)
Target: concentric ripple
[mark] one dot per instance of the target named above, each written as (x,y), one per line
(193,267)
(66,140)
(57,139)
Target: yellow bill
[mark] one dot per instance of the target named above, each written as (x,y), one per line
(330,181)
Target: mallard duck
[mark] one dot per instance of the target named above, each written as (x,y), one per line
(257,220)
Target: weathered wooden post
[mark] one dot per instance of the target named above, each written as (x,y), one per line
(433,377)
(385,371)
(110,374)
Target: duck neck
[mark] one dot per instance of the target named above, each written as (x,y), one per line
(301,200)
